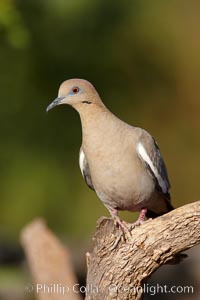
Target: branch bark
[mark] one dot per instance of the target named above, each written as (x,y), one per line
(117,268)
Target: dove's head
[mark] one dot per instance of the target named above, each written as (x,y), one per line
(77,93)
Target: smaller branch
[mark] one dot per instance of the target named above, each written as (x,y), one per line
(49,262)
(117,269)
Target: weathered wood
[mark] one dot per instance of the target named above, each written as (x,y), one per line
(117,268)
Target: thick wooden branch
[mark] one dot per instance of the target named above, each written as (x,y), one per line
(50,264)
(117,268)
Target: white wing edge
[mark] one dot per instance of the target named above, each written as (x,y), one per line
(144,155)
(81,161)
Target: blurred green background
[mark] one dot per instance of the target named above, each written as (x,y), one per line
(143,57)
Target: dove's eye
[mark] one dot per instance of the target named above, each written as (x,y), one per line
(75,90)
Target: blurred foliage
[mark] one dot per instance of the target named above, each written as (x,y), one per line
(144,59)
(12,24)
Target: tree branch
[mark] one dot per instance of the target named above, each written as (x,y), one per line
(117,268)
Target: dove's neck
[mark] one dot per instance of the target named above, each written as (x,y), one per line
(98,123)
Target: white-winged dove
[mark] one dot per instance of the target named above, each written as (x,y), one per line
(121,163)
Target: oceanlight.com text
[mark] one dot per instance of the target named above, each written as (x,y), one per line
(58,288)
